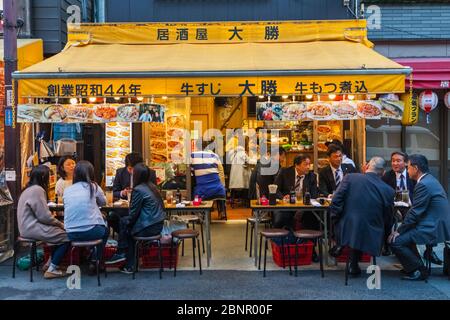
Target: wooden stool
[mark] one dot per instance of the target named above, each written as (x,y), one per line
(194,219)
(89,244)
(33,244)
(251,221)
(273,234)
(147,240)
(317,237)
(182,235)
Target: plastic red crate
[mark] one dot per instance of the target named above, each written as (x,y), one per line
(304,254)
(65,262)
(150,257)
(343,257)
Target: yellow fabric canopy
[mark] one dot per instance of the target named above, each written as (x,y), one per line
(29,52)
(341,62)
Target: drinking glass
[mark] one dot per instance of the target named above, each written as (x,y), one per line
(109,197)
(299,196)
(405,196)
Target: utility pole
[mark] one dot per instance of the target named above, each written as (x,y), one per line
(12,131)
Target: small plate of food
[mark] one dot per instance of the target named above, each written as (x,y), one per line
(344,110)
(54,113)
(294,111)
(78,113)
(176,121)
(128,113)
(322,147)
(319,110)
(105,113)
(369,109)
(392,109)
(29,113)
(157,157)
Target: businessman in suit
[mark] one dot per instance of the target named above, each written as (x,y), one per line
(299,178)
(331,176)
(362,210)
(426,223)
(398,179)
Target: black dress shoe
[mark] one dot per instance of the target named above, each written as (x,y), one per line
(434,258)
(416,276)
(336,251)
(354,271)
(387,252)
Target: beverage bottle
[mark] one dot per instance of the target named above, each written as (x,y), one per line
(292,197)
(178,196)
(307,198)
(398,194)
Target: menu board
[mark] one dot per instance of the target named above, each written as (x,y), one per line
(167,140)
(90,113)
(118,145)
(330,110)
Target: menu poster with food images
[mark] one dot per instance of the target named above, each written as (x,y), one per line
(118,145)
(176,138)
(90,113)
(330,110)
(158,143)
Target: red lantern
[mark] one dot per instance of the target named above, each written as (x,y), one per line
(447,99)
(428,101)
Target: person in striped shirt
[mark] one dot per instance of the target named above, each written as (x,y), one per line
(209,174)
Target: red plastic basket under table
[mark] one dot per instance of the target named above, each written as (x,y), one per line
(304,254)
(343,257)
(65,262)
(150,257)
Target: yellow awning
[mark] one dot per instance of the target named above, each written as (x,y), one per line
(29,52)
(331,65)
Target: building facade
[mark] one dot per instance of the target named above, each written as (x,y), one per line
(417,34)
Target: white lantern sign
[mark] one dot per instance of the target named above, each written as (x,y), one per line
(447,99)
(428,101)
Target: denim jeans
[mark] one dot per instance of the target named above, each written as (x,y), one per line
(95,233)
(150,231)
(58,252)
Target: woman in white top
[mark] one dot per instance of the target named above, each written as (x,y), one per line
(66,167)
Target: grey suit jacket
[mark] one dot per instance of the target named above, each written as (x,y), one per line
(430,213)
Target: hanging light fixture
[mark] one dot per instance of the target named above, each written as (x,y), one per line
(309,96)
(73,101)
(164,97)
(331,96)
(92,99)
(117,98)
(261,97)
(351,97)
(285,97)
(153,100)
(140,98)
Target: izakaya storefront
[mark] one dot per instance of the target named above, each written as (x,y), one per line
(142,82)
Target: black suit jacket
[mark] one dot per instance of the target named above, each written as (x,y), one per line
(123,178)
(327,185)
(286,181)
(391,179)
(362,206)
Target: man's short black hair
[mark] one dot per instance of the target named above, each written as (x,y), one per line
(332,148)
(420,162)
(402,154)
(133,159)
(300,158)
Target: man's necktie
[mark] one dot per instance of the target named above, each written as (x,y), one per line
(298,183)
(337,177)
(402,182)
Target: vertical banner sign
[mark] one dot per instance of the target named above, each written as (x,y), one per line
(8,108)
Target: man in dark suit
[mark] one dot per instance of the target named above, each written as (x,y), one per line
(266,171)
(362,211)
(426,223)
(122,186)
(331,176)
(398,177)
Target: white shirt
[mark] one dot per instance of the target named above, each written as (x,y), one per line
(420,178)
(341,173)
(347,160)
(398,175)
